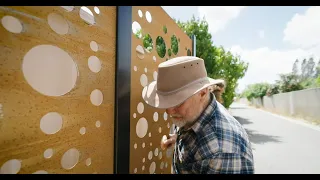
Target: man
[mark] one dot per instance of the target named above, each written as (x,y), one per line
(209,140)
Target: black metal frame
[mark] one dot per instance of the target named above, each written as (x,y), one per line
(122,91)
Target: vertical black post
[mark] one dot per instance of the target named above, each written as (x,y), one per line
(194,49)
(122,91)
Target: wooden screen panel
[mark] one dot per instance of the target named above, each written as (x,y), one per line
(146,155)
(23,143)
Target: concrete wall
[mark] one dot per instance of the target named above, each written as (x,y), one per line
(303,104)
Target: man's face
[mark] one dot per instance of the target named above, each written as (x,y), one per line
(189,110)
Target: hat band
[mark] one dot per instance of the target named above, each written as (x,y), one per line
(201,81)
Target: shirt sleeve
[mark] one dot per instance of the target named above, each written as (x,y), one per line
(224,163)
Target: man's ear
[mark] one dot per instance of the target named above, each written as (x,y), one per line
(204,92)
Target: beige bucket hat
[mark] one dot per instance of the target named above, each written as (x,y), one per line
(178,79)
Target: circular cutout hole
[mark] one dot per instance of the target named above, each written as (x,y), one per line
(87,15)
(140,13)
(94,46)
(82,130)
(156,152)
(98,124)
(147,43)
(94,64)
(135,68)
(134,115)
(165,30)
(48,153)
(58,24)
(165,116)
(154,58)
(135,146)
(188,52)
(144,160)
(12,24)
(145,70)
(155,116)
(49,70)
(135,170)
(88,162)
(160,155)
(70,158)
(169,153)
(169,52)
(96,97)
(151,144)
(148,16)
(136,29)
(161,46)
(96,10)
(68,8)
(142,127)
(142,168)
(143,145)
(160,129)
(162,165)
(12,166)
(143,80)
(51,123)
(150,155)
(140,52)
(40,172)
(152,168)
(174,44)
(155,75)
(140,108)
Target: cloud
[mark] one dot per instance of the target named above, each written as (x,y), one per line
(266,64)
(219,16)
(261,34)
(303,29)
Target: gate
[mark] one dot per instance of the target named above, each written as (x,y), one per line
(71,81)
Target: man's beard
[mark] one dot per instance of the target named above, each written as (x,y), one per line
(182,122)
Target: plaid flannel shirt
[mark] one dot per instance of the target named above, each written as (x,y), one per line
(215,144)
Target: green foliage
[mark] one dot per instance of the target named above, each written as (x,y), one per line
(138,34)
(174,44)
(161,46)
(289,82)
(318,81)
(257,90)
(165,30)
(273,89)
(147,42)
(219,63)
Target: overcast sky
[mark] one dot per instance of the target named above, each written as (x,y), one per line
(269,38)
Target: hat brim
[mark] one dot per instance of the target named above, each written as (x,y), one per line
(163,101)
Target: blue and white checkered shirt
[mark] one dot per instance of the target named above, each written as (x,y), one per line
(215,144)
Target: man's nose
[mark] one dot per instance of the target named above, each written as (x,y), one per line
(170,111)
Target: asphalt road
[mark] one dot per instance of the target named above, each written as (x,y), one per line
(280,145)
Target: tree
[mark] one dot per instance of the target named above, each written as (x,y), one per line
(310,68)
(257,90)
(219,63)
(295,67)
(317,70)
(303,69)
(289,82)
